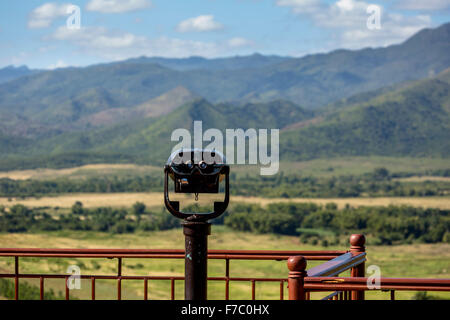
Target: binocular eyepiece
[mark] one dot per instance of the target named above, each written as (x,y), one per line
(196,171)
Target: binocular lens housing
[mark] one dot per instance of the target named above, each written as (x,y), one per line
(196,170)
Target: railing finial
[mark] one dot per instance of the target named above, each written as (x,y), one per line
(296,279)
(297,263)
(357,242)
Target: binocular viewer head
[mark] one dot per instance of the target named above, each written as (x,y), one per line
(196,171)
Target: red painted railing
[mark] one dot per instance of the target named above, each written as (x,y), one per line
(301,282)
(324,277)
(120,254)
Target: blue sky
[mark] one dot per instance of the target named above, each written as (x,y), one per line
(35,33)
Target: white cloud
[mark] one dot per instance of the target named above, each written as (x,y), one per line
(419,5)
(43,16)
(117,45)
(346,21)
(122,45)
(345,5)
(239,42)
(98,37)
(59,64)
(300,6)
(199,24)
(117,6)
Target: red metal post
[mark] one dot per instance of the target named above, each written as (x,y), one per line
(67,288)
(297,274)
(357,242)
(93,288)
(16,280)
(119,289)
(253,290)
(282,290)
(146,289)
(172,289)
(119,267)
(119,281)
(227,281)
(227,289)
(41,288)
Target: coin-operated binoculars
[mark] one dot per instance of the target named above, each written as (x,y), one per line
(196,171)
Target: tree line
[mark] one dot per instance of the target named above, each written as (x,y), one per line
(375,184)
(20,218)
(313,223)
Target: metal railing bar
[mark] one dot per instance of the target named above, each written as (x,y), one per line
(146,289)
(330,296)
(311,283)
(119,288)
(93,288)
(126,252)
(281,290)
(169,256)
(67,287)
(41,288)
(253,289)
(337,265)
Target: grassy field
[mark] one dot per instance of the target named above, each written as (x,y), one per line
(155,199)
(428,261)
(317,168)
(92,170)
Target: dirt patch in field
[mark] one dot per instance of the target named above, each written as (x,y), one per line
(93,200)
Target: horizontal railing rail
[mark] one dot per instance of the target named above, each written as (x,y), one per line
(348,283)
(168,253)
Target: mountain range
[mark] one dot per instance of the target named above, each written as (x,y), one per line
(390,101)
(11,72)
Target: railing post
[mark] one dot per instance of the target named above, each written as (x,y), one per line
(357,242)
(296,280)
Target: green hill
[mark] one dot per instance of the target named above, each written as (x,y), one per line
(412,121)
(148,140)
